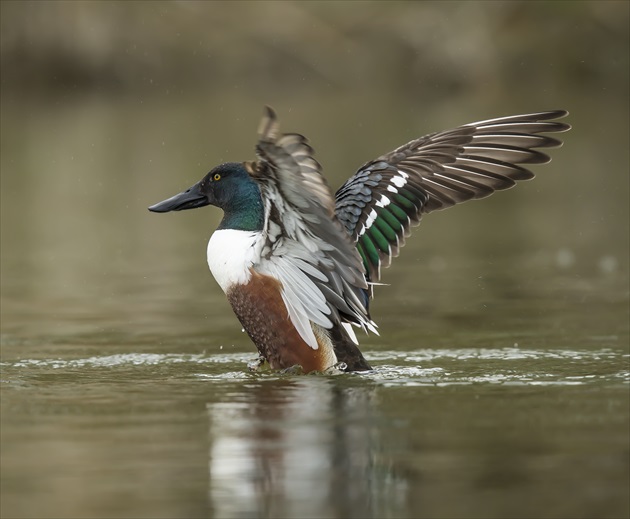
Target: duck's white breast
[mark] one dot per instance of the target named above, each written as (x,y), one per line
(231,253)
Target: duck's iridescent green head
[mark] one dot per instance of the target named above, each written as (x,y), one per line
(228,186)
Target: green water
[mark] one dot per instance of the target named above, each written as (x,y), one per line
(501,380)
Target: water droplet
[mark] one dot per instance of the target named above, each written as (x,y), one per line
(608,264)
(565,258)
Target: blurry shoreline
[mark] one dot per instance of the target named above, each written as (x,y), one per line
(61,47)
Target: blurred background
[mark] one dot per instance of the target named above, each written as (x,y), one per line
(109,107)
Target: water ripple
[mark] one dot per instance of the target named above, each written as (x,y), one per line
(427,367)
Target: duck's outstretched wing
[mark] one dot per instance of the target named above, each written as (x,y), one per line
(306,248)
(380,203)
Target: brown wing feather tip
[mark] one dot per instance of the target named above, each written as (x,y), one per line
(560,113)
(551,114)
(268,129)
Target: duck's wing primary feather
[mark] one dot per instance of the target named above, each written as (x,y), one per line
(306,248)
(380,203)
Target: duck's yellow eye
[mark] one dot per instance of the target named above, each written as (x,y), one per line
(217,176)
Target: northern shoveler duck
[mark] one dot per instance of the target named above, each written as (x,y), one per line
(297,263)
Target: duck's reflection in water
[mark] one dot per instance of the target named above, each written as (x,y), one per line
(304,447)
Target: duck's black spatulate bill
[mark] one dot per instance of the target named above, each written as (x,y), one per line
(190,199)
